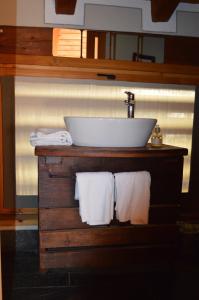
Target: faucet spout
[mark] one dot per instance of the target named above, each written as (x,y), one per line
(130,102)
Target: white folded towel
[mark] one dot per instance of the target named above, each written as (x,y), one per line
(95,191)
(50,136)
(132,194)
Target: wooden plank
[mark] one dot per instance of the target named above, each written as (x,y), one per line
(108,257)
(69,218)
(108,236)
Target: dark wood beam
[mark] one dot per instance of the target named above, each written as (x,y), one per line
(65,7)
(190,1)
(162,10)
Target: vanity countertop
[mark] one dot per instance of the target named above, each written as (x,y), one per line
(148,151)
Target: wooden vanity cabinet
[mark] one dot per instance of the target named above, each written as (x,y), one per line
(67,242)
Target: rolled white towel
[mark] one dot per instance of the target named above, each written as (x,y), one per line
(95,191)
(50,136)
(132,191)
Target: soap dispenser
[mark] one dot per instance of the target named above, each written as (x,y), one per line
(156,137)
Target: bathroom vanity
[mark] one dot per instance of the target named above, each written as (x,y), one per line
(66,242)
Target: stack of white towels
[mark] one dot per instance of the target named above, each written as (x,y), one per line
(50,136)
(99,192)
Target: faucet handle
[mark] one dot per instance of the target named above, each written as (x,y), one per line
(130,102)
(131,96)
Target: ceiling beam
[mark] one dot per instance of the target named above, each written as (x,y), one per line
(190,1)
(65,7)
(162,10)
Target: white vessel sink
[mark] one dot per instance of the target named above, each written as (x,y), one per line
(109,132)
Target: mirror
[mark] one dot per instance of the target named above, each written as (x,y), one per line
(108,45)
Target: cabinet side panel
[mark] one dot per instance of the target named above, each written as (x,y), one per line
(1,149)
(8,141)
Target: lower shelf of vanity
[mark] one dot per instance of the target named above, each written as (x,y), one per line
(66,218)
(107,246)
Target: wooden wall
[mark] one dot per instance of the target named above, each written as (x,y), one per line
(26,40)
(181,50)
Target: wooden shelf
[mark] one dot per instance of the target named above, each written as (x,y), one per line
(22,219)
(77,68)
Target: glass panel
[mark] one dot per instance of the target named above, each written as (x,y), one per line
(43,102)
(113,45)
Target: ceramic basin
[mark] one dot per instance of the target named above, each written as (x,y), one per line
(109,132)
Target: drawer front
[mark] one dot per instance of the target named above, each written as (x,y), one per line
(107,236)
(108,257)
(57,179)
